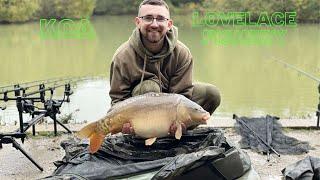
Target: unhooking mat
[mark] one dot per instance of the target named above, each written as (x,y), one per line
(305,169)
(269,129)
(202,153)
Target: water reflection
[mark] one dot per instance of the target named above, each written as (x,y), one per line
(89,102)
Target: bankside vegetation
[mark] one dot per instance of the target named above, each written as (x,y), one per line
(12,11)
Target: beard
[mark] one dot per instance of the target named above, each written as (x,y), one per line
(153,35)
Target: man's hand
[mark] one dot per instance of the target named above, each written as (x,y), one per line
(173,129)
(127,129)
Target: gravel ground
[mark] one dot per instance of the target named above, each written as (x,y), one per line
(272,169)
(45,150)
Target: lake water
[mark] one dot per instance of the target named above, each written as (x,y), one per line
(251,83)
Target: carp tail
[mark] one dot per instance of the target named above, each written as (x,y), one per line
(96,140)
(96,137)
(87,131)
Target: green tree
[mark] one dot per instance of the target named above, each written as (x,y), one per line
(308,10)
(67,9)
(117,7)
(18,10)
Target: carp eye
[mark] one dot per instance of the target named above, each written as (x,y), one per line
(198,109)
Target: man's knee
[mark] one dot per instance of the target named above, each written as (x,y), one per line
(206,95)
(213,95)
(145,87)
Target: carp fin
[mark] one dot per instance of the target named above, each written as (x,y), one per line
(96,138)
(87,131)
(96,141)
(150,141)
(178,133)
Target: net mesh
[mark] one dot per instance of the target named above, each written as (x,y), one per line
(270,131)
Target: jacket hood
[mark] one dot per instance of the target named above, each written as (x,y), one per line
(171,39)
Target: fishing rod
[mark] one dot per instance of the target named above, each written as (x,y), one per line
(318,111)
(42,89)
(270,148)
(28,85)
(51,88)
(30,82)
(46,81)
(309,76)
(19,87)
(26,105)
(298,70)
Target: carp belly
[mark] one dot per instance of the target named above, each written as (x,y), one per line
(149,125)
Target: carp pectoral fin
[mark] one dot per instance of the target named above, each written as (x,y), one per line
(87,131)
(96,140)
(178,133)
(150,141)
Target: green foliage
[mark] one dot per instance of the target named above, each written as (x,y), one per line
(18,10)
(182,3)
(74,9)
(117,7)
(307,10)
(24,10)
(42,134)
(66,118)
(120,7)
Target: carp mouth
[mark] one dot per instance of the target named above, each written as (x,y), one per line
(206,116)
(201,118)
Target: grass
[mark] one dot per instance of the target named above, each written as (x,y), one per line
(47,134)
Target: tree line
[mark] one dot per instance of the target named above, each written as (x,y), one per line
(12,11)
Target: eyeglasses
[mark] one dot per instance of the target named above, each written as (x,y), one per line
(148,19)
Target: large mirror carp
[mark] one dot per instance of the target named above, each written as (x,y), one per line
(150,115)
